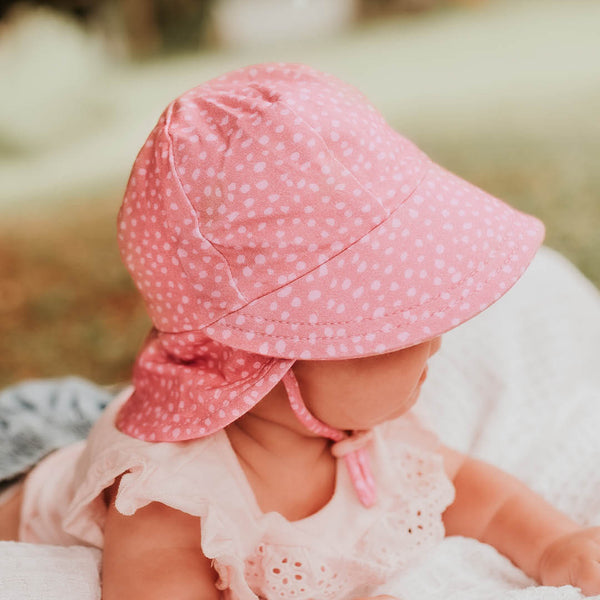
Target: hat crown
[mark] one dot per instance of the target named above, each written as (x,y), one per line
(251,181)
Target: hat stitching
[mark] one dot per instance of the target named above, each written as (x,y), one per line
(423,160)
(295,337)
(333,256)
(362,187)
(420,159)
(193,213)
(471,273)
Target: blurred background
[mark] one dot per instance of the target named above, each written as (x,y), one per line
(506,93)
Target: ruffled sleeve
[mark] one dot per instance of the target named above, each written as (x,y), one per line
(189,476)
(414,491)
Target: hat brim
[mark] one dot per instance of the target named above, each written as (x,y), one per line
(444,255)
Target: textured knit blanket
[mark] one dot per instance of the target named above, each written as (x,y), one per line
(518,386)
(37,417)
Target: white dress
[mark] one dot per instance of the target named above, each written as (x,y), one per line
(342,551)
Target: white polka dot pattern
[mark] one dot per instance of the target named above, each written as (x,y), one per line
(446,254)
(251,181)
(274,211)
(277,571)
(188,386)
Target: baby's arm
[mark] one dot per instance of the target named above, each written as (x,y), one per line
(154,554)
(498,509)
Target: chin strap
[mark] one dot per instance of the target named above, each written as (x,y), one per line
(350,447)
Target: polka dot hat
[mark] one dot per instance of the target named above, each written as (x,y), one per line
(273,215)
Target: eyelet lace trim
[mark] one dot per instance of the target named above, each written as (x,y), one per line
(276,571)
(409,526)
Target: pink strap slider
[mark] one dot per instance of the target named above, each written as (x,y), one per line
(355,441)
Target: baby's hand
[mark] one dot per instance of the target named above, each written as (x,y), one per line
(573,559)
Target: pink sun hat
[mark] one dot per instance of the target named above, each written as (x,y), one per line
(273,215)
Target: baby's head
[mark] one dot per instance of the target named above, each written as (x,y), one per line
(272,217)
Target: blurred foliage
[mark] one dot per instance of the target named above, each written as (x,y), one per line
(67,305)
(152,27)
(79,8)
(163,26)
(368,8)
(148,27)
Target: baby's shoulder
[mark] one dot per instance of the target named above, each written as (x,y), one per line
(193,476)
(109,450)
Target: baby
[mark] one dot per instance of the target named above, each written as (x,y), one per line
(300,261)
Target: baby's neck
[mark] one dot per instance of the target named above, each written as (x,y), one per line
(290,470)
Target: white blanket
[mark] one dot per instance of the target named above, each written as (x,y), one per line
(519,386)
